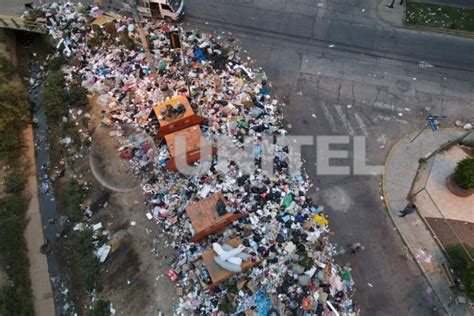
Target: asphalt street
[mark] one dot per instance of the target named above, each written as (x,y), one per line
(341,72)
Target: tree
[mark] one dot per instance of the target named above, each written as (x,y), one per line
(464,174)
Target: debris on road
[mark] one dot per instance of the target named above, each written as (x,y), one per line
(280,253)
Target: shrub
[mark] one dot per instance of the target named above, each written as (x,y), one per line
(53,96)
(56,63)
(463,266)
(78,96)
(72,195)
(15,299)
(464,174)
(86,262)
(14,108)
(15,182)
(6,68)
(101,308)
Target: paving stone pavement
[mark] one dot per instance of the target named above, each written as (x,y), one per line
(400,169)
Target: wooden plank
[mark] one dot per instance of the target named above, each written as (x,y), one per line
(184,120)
(205,219)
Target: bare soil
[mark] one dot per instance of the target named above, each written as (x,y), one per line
(133,277)
(447,233)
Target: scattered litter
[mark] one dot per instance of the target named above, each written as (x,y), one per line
(424,64)
(282,232)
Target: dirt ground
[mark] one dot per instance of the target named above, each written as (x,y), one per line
(448,234)
(133,276)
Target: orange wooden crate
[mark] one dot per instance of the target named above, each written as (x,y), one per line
(188,118)
(204,217)
(193,145)
(219,275)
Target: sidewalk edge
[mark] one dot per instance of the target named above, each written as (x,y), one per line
(387,209)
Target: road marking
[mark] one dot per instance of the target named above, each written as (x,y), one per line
(345,121)
(386,106)
(361,125)
(379,118)
(329,117)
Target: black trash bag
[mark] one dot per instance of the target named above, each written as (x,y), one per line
(221,210)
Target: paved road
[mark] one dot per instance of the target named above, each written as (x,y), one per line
(334,60)
(341,72)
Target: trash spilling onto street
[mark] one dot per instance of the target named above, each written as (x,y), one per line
(244,241)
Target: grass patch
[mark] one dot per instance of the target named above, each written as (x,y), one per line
(440,16)
(71,197)
(7,70)
(15,182)
(14,109)
(81,247)
(16,296)
(463,266)
(53,96)
(101,308)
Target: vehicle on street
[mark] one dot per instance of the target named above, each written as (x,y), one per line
(169,10)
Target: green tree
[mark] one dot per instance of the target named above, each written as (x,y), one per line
(464,174)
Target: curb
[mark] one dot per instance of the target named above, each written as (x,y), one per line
(422,28)
(387,209)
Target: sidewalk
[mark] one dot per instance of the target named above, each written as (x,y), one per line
(391,16)
(453,3)
(39,273)
(400,169)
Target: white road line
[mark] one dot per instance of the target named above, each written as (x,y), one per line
(329,117)
(386,106)
(362,126)
(345,121)
(379,118)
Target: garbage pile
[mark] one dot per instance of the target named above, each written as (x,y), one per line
(280,226)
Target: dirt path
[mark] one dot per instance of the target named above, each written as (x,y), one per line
(39,274)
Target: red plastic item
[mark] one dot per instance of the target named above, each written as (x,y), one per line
(172,275)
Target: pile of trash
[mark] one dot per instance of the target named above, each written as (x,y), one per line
(281,225)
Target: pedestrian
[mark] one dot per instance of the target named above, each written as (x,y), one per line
(409,208)
(393,2)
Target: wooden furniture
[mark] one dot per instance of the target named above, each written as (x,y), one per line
(192,136)
(204,217)
(181,121)
(219,275)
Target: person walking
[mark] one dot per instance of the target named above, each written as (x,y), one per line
(409,208)
(393,2)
